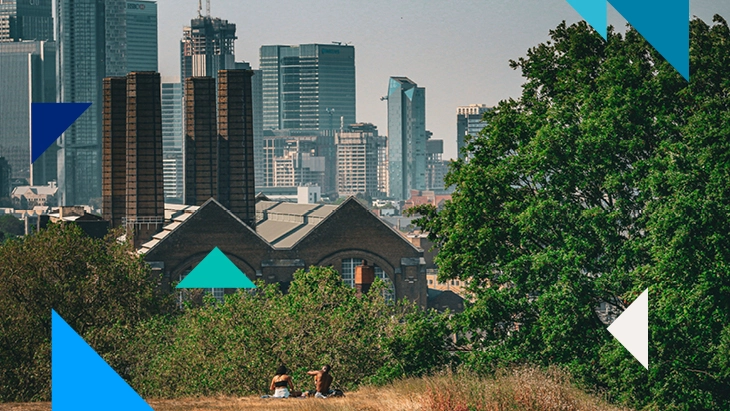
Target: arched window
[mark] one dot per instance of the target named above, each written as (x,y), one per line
(216,292)
(348,276)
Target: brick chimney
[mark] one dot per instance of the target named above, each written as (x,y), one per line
(364,277)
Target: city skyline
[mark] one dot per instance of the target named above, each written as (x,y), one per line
(458,50)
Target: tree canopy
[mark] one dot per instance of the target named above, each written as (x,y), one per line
(608,175)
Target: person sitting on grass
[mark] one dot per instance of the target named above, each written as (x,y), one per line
(281,383)
(322,382)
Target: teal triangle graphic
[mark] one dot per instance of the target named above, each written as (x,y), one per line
(216,271)
(664,24)
(594,12)
(81,380)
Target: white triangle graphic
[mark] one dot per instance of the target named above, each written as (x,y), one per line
(631,329)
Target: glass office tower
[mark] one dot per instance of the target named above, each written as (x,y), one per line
(141,36)
(406,137)
(308,87)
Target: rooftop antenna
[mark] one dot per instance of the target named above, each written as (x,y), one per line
(207,8)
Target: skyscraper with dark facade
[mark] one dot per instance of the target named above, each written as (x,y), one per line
(219,149)
(207,46)
(91,45)
(235,129)
(406,137)
(201,140)
(308,87)
(140,164)
(26,20)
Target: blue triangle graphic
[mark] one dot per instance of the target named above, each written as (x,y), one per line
(216,271)
(81,380)
(664,24)
(594,12)
(49,121)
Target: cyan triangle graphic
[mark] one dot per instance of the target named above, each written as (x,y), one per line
(594,12)
(664,24)
(216,271)
(81,380)
(49,121)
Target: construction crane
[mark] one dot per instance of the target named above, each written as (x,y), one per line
(200,8)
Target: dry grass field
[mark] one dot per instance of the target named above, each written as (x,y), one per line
(523,389)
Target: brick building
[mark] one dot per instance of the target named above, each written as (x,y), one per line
(289,237)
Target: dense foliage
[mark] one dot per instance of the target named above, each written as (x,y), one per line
(90,283)
(104,291)
(234,348)
(609,175)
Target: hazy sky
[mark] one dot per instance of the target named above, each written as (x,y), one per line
(457,49)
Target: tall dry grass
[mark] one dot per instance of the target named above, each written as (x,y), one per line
(523,389)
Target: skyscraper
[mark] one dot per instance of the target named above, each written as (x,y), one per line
(132,155)
(28,67)
(91,45)
(308,87)
(469,122)
(27,75)
(141,35)
(172,141)
(207,46)
(219,148)
(357,160)
(406,137)
(26,20)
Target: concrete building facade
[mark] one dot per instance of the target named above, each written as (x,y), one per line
(357,160)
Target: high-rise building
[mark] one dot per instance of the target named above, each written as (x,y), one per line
(132,155)
(26,20)
(235,154)
(114,151)
(436,167)
(91,45)
(201,140)
(308,87)
(207,46)
(406,137)
(219,155)
(172,141)
(469,122)
(141,35)
(357,160)
(27,75)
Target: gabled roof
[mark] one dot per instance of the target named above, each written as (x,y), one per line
(281,225)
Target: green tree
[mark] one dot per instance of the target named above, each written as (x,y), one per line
(11,226)
(91,283)
(607,176)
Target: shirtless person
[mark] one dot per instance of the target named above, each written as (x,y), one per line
(322,381)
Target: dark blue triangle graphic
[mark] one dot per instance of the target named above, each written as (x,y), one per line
(81,380)
(664,24)
(49,121)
